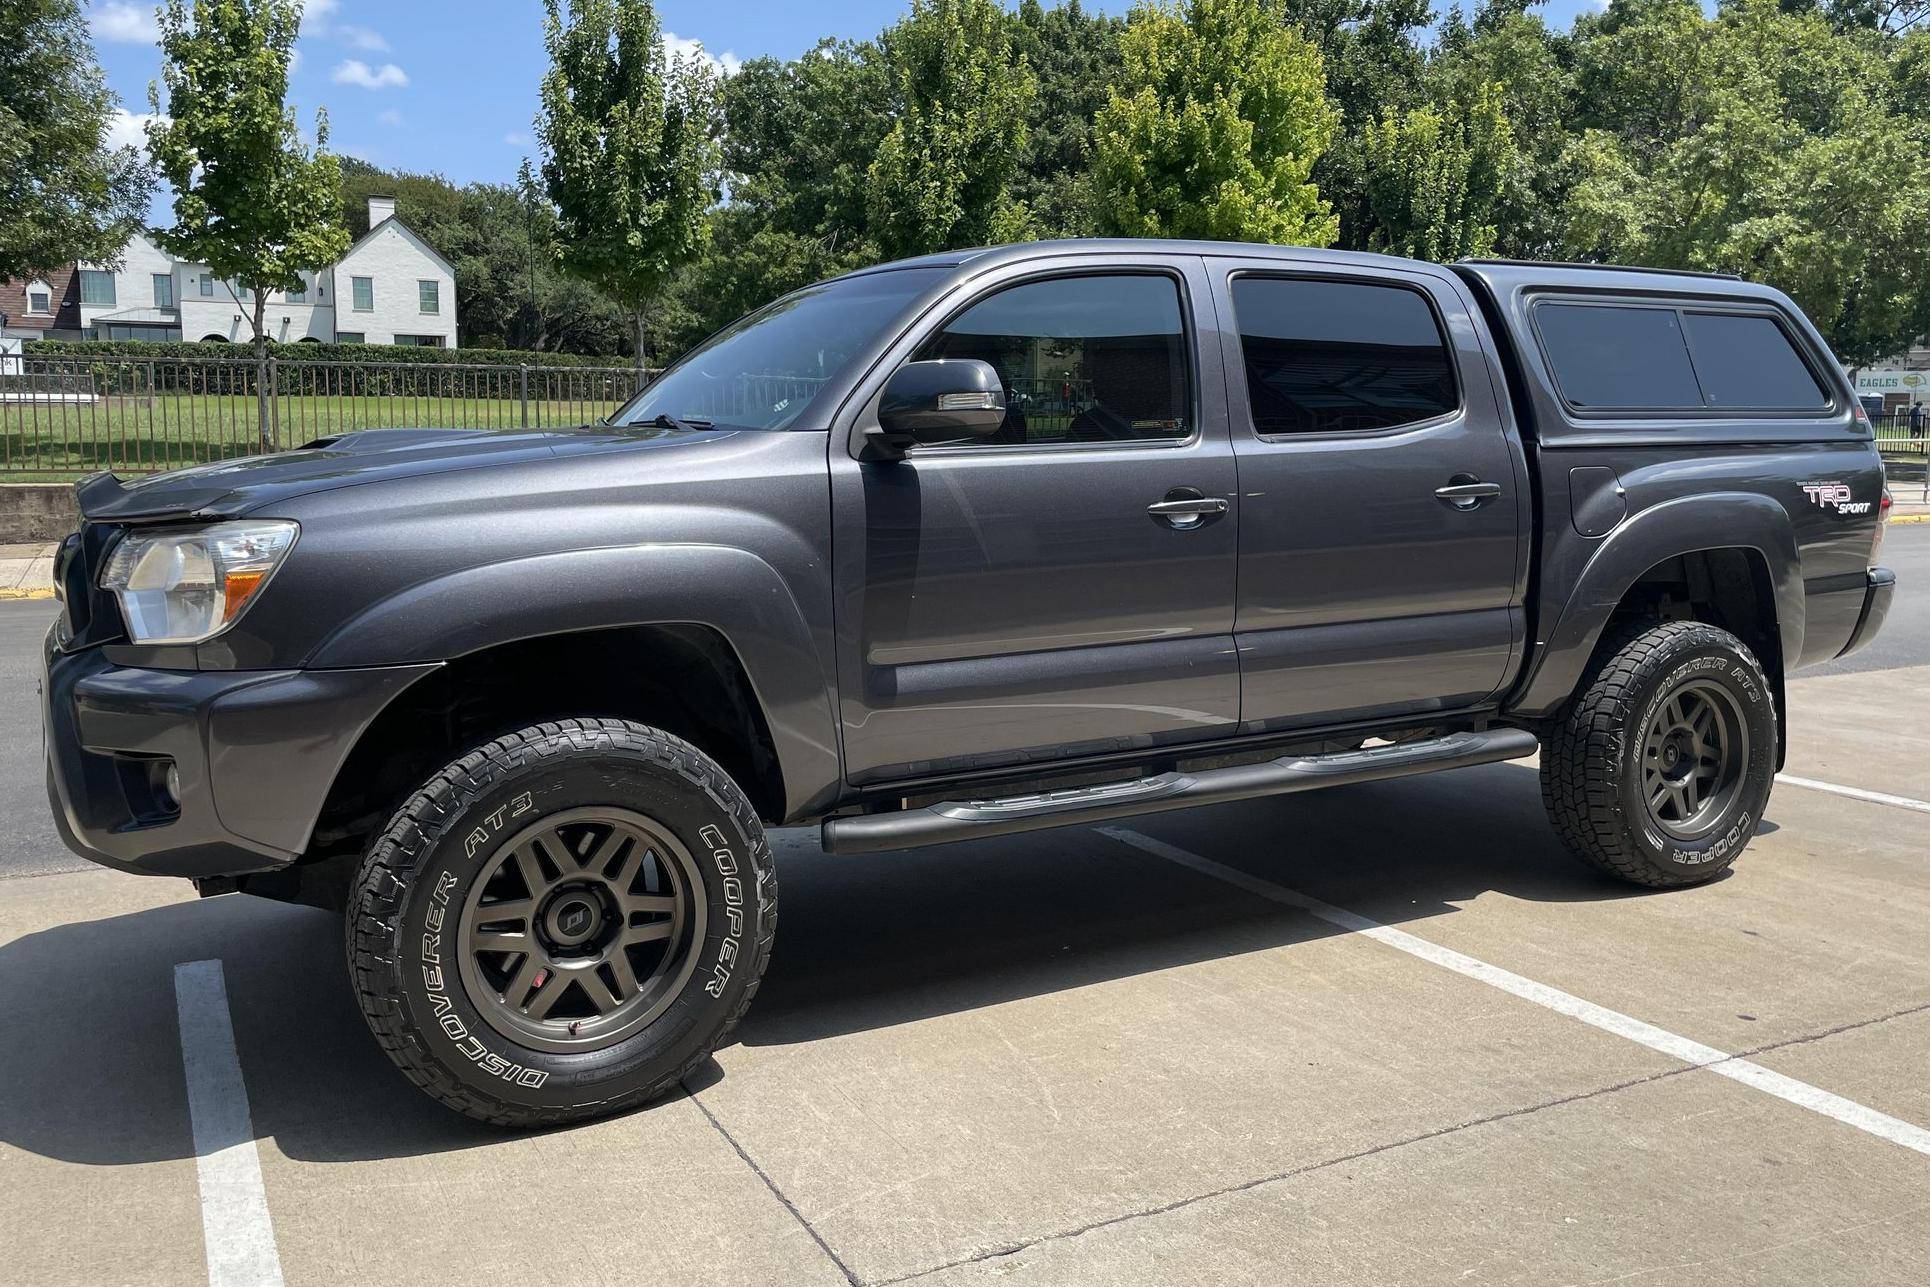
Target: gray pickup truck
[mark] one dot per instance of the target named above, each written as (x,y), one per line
(968,545)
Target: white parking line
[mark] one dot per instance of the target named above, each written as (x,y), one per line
(235,1225)
(1857,793)
(1695,1053)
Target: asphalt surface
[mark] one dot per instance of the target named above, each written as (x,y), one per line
(28,845)
(1383,1034)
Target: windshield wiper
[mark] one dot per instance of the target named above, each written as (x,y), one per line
(664,420)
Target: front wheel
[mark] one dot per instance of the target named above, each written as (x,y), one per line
(563,922)
(1659,770)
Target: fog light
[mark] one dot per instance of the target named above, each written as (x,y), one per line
(164,779)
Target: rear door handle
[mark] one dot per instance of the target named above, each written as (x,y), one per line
(1467,492)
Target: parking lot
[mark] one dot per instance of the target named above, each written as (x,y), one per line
(1381,1034)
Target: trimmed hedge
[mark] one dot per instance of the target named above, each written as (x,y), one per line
(357,353)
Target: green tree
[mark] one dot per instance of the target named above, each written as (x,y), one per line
(1516,51)
(63,194)
(1224,116)
(1435,176)
(630,153)
(1074,53)
(1374,63)
(251,201)
(1759,142)
(960,94)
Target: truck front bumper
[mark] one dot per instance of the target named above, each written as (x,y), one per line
(198,773)
(1876,606)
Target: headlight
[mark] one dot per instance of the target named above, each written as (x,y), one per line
(183,587)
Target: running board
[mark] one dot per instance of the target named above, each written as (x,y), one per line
(976,819)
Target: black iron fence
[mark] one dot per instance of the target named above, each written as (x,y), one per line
(64,416)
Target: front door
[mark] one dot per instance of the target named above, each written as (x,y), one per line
(1018,599)
(1382,496)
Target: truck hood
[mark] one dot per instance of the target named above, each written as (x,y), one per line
(232,487)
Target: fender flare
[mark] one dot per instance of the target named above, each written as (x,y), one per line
(727,589)
(1744,520)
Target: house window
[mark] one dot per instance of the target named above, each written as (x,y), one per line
(96,287)
(207,285)
(364,288)
(164,290)
(299,295)
(348,337)
(429,296)
(40,298)
(419,341)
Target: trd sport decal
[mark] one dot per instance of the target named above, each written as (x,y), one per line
(1836,496)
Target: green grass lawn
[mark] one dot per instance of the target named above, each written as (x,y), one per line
(51,441)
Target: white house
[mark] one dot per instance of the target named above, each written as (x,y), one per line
(391,287)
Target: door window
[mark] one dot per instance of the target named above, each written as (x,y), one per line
(1085,359)
(1334,357)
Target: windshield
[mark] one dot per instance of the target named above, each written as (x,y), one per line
(765,369)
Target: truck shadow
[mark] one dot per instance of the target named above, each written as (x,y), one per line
(92,1064)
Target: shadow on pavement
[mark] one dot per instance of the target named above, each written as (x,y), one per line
(92,1066)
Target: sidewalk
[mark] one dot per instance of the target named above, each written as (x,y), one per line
(27,571)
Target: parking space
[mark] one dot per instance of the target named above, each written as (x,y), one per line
(1093,1056)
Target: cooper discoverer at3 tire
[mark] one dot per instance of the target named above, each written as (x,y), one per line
(563,922)
(1659,770)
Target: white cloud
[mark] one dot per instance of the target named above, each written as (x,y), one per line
(362,38)
(356,72)
(128,129)
(516,138)
(294,60)
(124,23)
(724,64)
(391,118)
(316,13)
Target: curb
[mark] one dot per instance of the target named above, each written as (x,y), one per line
(6,595)
(1910,518)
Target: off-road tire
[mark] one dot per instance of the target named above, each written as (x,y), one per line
(403,909)
(1592,758)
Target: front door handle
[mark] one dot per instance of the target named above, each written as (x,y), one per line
(1465,491)
(1184,508)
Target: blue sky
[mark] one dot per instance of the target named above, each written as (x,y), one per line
(449,86)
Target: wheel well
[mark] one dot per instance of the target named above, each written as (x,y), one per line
(683,679)
(1729,588)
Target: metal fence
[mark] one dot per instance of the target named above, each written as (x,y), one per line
(65,416)
(1906,452)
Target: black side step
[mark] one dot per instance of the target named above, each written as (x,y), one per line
(975,819)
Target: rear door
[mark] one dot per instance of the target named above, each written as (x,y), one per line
(1382,494)
(1018,600)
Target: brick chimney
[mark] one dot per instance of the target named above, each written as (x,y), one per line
(381,208)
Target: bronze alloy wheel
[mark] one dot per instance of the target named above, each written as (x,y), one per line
(581,929)
(1695,753)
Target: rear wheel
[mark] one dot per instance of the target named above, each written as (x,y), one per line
(563,922)
(1659,770)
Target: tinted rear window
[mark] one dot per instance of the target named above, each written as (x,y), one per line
(1746,361)
(1327,357)
(1610,357)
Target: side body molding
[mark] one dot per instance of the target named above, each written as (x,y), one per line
(1710,520)
(728,589)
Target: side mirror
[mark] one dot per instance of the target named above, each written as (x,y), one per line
(948,400)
